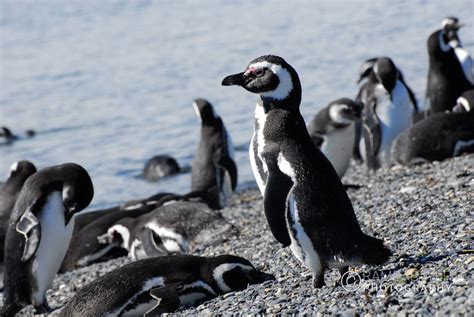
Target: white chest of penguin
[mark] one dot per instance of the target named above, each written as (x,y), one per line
(55,238)
(337,147)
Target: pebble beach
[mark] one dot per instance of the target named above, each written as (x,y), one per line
(424,214)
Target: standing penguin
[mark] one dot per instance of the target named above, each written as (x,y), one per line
(450,68)
(154,286)
(333,130)
(214,162)
(305,202)
(39,232)
(388,110)
(439,136)
(17,176)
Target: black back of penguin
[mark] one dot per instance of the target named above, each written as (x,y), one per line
(9,192)
(440,136)
(167,278)
(446,78)
(213,164)
(25,231)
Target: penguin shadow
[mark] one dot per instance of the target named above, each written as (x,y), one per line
(352,186)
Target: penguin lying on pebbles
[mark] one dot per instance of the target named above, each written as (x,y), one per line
(450,68)
(439,136)
(160,166)
(159,285)
(214,163)
(19,172)
(177,227)
(304,200)
(333,131)
(388,110)
(85,249)
(39,232)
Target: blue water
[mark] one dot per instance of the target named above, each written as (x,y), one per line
(108,84)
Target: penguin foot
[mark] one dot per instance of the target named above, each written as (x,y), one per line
(343,279)
(318,280)
(43,309)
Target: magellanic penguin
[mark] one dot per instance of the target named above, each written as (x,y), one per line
(159,285)
(305,202)
(439,136)
(9,192)
(178,227)
(388,110)
(214,163)
(450,69)
(451,26)
(160,166)
(39,232)
(333,131)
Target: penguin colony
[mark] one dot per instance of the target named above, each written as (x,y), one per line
(298,170)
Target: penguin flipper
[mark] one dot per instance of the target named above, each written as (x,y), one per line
(228,165)
(152,243)
(371,131)
(167,300)
(275,203)
(29,227)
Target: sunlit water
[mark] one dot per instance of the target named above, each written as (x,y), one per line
(108,84)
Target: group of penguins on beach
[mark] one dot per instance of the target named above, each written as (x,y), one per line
(298,170)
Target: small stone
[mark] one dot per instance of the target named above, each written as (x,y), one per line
(459,281)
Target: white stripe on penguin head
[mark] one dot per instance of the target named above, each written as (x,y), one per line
(285,86)
(220,270)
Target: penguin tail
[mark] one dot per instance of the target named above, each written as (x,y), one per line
(372,251)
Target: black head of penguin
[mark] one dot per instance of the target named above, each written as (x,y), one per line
(232,273)
(272,77)
(19,172)
(119,234)
(344,111)
(386,73)
(465,102)
(366,68)
(451,23)
(205,112)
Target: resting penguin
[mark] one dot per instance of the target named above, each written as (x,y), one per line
(160,166)
(214,162)
(439,136)
(450,70)
(304,200)
(333,131)
(177,227)
(159,285)
(9,192)
(388,110)
(39,232)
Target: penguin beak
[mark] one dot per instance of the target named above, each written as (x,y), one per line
(69,214)
(263,277)
(236,79)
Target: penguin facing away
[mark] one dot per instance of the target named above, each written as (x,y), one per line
(305,202)
(333,131)
(388,110)
(439,136)
(450,70)
(39,232)
(214,163)
(19,172)
(159,285)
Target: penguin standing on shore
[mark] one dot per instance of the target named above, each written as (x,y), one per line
(39,232)
(333,130)
(305,202)
(389,108)
(450,68)
(439,136)
(9,192)
(214,162)
(160,285)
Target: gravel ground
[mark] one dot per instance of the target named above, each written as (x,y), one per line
(424,213)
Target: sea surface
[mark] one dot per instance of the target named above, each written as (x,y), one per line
(109,84)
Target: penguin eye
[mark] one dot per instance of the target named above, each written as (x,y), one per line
(259,72)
